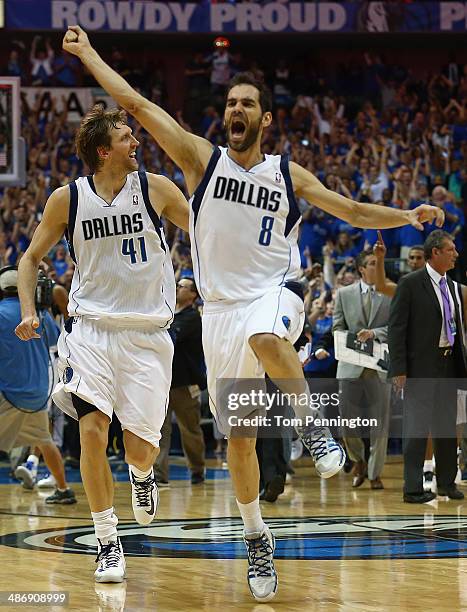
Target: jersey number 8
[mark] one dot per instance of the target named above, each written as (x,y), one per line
(266,229)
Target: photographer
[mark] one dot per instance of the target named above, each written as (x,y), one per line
(24,386)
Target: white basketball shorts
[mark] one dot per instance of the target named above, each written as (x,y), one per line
(116,366)
(226,334)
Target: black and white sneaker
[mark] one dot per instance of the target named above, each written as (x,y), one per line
(328,455)
(61,497)
(144,498)
(111,562)
(262,575)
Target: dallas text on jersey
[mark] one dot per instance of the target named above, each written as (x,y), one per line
(233,190)
(116,225)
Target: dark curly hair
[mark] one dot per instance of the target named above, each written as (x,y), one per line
(248,78)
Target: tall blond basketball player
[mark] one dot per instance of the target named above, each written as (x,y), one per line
(115,353)
(243,225)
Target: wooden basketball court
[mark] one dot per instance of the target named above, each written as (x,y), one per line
(337,548)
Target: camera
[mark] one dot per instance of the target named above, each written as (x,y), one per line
(44,291)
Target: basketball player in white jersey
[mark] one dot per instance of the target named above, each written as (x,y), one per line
(115,353)
(243,225)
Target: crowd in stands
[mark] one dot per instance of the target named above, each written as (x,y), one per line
(372,131)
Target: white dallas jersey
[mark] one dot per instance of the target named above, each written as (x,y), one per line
(244,229)
(123,265)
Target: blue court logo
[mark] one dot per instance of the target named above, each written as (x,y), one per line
(332,537)
(67,375)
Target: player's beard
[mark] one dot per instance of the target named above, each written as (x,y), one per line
(250,136)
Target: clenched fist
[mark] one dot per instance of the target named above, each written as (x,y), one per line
(27,328)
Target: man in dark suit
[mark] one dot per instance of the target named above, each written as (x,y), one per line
(428,365)
(188,377)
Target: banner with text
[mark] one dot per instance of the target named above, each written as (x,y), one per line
(76,102)
(204,17)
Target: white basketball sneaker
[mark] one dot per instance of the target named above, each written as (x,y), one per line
(27,473)
(48,482)
(144,498)
(328,455)
(262,576)
(111,562)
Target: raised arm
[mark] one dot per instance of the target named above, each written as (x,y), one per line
(191,153)
(358,214)
(168,200)
(382,284)
(47,234)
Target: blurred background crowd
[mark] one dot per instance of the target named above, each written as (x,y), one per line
(371,128)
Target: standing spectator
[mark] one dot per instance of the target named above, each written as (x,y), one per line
(426,344)
(415,261)
(220,66)
(359,309)
(41,62)
(187,378)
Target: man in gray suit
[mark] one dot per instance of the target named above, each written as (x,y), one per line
(363,311)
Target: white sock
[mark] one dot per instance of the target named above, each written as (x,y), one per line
(251,516)
(105,525)
(35,462)
(428,465)
(138,474)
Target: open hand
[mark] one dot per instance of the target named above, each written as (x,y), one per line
(425,213)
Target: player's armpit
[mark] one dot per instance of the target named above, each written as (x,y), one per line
(168,200)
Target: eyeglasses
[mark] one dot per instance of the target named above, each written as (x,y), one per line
(415,257)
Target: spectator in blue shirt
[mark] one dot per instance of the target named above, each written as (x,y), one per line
(24,391)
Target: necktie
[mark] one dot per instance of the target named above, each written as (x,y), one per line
(447,311)
(367,304)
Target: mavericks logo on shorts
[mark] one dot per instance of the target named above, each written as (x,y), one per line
(67,375)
